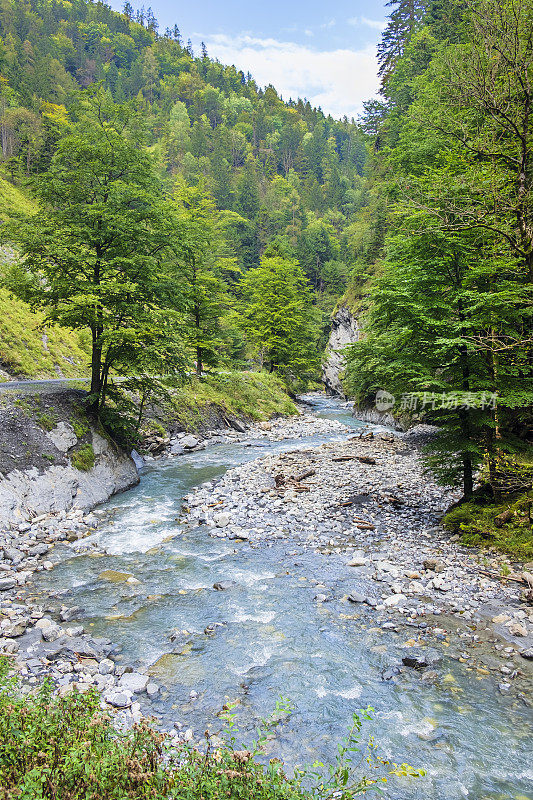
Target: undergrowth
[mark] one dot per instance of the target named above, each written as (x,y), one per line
(83,458)
(66,748)
(247,395)
(476,524)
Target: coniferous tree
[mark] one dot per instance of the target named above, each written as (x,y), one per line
(403,21)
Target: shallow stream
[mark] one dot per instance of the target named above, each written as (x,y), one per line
(266,636)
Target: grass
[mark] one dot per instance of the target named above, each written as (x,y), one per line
(14,201)
(66,748)
(83,458)
(475,522)
(246,395)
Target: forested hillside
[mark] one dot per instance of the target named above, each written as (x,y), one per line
(448,320)
(282,174)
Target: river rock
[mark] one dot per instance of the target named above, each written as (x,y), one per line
(419,659)
(177,449)
(222,519)
(106,667)
(133,682)
(221,586)
(7,583)
(394,600)
(189,442)
(118,699)
(517,629)
(433,565)
(356,597)
(358,560)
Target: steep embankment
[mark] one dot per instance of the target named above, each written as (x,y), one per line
(53,458)
(28,347)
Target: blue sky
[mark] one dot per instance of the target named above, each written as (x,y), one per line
(319,50)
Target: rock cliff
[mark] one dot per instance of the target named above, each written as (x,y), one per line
(53,458)
(344,331)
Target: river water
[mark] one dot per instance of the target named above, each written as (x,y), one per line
(266,637)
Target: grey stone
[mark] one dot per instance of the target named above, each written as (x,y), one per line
(118,699)
(106,667)
(355,597)
(189,442)
(13,555)
(221,586)
(133,682)
(63,436)
(177,449)
(7,583)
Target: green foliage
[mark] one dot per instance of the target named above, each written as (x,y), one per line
(277,315)
(66,748)
(83,458)
(451,311)
(245,395)
(95,256)
(475,523)
(278,170)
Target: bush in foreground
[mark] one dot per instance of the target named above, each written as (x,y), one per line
(66,748)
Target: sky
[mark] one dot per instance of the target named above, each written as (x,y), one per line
(323,51)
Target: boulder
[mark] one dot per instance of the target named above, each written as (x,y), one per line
(133,682)
(189,442)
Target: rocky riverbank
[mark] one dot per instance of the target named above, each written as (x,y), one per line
(368,499)
(44,639)
(364,498)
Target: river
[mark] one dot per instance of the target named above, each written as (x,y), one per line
(266,636)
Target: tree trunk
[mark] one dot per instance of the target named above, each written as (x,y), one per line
(199,362)
(96,371)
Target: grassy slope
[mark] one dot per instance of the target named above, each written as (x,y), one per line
(27,347)
(246,395)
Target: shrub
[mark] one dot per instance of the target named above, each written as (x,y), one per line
(66,748)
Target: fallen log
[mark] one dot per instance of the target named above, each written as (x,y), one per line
(503,518)
(366,459)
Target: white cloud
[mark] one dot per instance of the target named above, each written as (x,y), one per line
(337,80)
(375,24)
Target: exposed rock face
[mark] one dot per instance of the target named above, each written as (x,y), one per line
(37,468)
(344,331)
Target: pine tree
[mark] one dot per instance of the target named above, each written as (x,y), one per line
(403,21)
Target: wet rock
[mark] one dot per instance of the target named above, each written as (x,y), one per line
(221,586)
(152,689)
(133,682)
(389,673)
(527,653)
(419,659)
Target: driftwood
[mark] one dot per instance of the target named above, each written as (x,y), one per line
(362,459)
(293,481)
(363,524)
